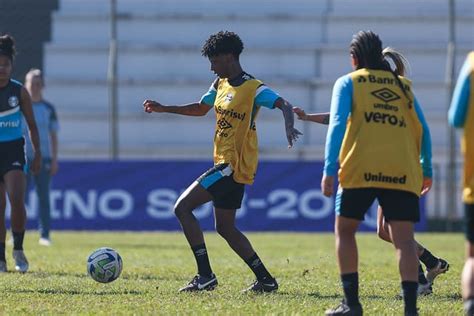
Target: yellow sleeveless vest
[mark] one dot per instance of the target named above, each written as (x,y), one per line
(235,140)
(382,143)
(467,142)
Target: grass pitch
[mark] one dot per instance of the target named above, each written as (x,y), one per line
(157,264)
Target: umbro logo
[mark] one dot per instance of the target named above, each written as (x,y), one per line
(16,163)
(223,124)
(385,95)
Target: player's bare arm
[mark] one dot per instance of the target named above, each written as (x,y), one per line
(286,108)
(192,109)
(27,110)
(321,118)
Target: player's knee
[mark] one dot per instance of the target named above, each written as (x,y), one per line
(179,209)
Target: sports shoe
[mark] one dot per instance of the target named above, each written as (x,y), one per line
(260,286)
(21,264)
(344,309)
(440,268)
(424,289)
(44,241)
(3,266)
(469,307)
(200,283)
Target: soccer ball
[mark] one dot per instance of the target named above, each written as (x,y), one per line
(104,265)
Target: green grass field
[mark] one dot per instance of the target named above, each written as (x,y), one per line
(157,264)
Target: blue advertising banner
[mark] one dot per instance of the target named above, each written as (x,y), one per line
(139,195)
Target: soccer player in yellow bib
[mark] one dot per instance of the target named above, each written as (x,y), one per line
(461,115)
(236,98)
(377,130)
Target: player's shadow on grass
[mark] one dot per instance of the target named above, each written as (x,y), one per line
(75,292)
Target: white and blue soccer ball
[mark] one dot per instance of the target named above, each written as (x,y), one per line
(104,265)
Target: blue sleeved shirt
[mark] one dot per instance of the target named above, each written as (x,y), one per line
(459,104)
(341,106)
(264,96)
(47,123)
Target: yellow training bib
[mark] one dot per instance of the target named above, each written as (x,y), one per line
(467,142)
(235,140)
(382,143)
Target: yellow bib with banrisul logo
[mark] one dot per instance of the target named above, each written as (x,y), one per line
(467,142)
(235,140)
(382,143)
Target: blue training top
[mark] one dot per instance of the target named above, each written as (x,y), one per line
(459,104)
(341,105)
(47,123)
(10,112)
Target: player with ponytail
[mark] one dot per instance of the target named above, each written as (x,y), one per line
(15,102)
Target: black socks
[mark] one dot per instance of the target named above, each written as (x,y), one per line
(18,240)
(256,265)
(350,285)
(202,260)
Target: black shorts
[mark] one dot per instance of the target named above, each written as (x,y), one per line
(12,156)
(469,222)
(397,205)
(220,183)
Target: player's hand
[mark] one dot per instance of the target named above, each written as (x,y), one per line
(427,183)
(300,113)
(54,167)
(292,135)
(327,185)
(153,106)
(36,163)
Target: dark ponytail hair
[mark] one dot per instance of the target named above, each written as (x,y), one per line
(7,46)
(366,46)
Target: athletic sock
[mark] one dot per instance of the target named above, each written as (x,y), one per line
(350,285)
(421,275)
(18,240)
(2,251)
(202,260)
(428,259)
(409,296)
(258,268)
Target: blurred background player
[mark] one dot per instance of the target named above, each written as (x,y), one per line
(371,167)
(236,98)
(14,101)
(47,123)
(461,114)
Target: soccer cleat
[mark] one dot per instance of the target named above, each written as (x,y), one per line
(200,283)
(424,289)
(44,241)
(469,307)
(263,286)
(21,264)
(440,268)
(3,266)
(344,309)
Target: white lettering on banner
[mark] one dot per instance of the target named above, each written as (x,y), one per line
(306,210)
(203,211)
(73,200)
(115,213)
(55,196)
(161,203)
(285,210)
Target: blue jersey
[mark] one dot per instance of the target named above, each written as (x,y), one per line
(47,123)
(10,112)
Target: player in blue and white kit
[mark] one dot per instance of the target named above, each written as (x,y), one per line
(47,122)
(14,101)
